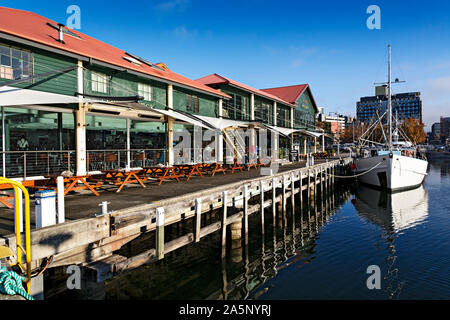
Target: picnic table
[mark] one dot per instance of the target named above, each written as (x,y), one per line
(236,166)
(121,177)
(214,168)
(72,183)
(163,173)
(190,170)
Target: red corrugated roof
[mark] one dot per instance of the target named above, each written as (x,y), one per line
(289,93)
(31,26)
(217,79)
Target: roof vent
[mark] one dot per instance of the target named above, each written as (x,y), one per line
(61,32)
(61,28)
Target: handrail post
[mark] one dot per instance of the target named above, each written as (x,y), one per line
(17,186)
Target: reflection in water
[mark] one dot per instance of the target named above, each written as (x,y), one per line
(197,271)
(394,213)
(288,241)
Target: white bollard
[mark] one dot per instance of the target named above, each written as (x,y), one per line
(20,222)
(45,208)
(60,199)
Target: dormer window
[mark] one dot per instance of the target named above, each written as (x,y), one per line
(132,60)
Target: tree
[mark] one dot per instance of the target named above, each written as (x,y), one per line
(355,130)
(414,130)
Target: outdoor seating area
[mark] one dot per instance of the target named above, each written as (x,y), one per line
(119,178)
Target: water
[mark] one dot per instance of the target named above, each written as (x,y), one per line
(406,234)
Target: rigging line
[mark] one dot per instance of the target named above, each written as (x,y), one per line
(74,76)
(401,72)
(359,174)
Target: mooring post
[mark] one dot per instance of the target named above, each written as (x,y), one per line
(245,194)
(261,201)
(321,182)
(236,241)
(308,193)
(283,198)
(159,233)
(224,222)
(300,174)
(198,217)
(274,193)
(293,193)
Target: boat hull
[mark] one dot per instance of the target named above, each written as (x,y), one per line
(392,173)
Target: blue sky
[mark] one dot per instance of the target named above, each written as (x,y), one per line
(275,43)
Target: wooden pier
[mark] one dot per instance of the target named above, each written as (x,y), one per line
(92,242)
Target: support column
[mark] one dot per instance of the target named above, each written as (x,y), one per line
(170,156)
(292,118)
(220,111)
(274,114)
(253,156)
(80,141)
(315,145)
(304,146)
(3,143)
(80,128)
(252,106)
(323,143)
(128,166)
(171,159)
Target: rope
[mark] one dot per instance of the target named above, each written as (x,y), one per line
(357,175)
(11,284)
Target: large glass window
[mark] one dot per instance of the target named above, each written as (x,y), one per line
(191,103)
(14,63)
(145,91)
(99,82)
(36,142)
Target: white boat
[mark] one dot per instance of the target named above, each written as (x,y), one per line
(393,172)
(394,165)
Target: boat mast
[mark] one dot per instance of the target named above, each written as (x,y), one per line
(389,102)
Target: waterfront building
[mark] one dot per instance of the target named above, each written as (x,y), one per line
(82,105)
(71,102)
(290,111)
(444,129)
(404,105)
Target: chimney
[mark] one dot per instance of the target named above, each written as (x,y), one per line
(61,32)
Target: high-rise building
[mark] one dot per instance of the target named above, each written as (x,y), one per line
(404,105)
(444,127)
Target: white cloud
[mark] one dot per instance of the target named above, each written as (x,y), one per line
(173,5)
(183,33)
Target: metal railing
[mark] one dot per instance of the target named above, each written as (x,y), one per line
(23,164)
(121,158)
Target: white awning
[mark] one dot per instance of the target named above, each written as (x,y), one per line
(221,123)
(10,96)
(283,131)
(313,134)
(183,118)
